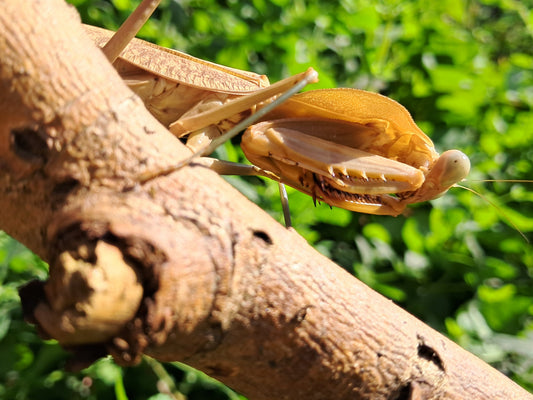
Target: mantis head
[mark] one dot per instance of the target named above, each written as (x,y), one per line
(450,168)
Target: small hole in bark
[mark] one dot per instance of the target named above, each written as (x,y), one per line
(426,352)
(404,393)
(300,315)
(63,189)
(263,236)
(31,294)
(29,144)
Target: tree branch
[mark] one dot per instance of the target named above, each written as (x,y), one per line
(183,267)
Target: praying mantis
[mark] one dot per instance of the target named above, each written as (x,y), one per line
(348,148)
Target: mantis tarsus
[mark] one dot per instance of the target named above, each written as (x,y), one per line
(346,147)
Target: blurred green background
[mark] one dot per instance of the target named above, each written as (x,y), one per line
(465,71)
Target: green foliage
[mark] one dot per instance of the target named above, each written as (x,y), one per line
(464,68)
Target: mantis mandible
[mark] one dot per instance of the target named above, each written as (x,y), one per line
(348,148)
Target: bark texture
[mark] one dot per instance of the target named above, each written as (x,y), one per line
(182,267)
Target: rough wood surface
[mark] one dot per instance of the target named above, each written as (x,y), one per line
(183,267)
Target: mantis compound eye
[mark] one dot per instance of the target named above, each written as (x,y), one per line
(454,166)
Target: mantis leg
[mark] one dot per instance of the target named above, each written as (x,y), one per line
(292,85)
(285,204)
(231,168)
(295,83)
(129,29)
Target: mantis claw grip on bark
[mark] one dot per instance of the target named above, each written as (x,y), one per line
(346,147)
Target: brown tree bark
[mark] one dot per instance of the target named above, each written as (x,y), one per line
(183,267)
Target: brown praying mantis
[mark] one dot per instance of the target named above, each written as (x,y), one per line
(348,148)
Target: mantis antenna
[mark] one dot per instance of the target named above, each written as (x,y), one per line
(496,207)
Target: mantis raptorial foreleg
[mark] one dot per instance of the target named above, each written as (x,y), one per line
(353,149)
